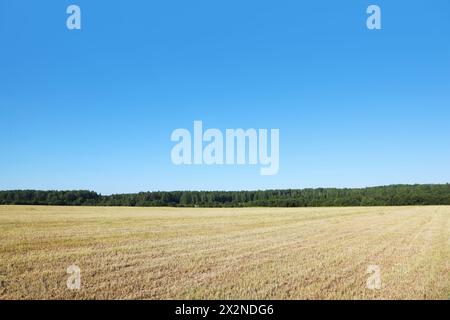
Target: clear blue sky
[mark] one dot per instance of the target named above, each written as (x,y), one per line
(94,109)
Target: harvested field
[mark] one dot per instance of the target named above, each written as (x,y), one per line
(248,253)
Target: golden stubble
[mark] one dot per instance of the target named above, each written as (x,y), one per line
(248,253)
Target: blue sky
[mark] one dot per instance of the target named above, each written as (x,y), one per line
(95,108)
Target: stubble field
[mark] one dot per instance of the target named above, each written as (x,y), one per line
(249,253)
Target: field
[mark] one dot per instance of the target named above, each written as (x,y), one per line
(251,253)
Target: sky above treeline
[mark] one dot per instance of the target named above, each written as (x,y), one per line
(95,108)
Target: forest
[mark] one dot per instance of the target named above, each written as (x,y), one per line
(393,195)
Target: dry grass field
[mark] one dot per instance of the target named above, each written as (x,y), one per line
(263,253)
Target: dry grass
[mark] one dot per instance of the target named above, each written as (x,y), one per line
(166,253)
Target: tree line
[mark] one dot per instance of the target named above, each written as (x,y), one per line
(394,195)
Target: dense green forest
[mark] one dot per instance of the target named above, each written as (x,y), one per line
(394,195)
